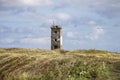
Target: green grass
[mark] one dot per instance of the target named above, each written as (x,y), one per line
(38,64)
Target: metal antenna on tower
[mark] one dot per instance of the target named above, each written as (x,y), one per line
(53,23)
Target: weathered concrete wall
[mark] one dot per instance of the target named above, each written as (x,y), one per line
(56,37)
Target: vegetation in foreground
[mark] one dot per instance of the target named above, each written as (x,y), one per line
(38,64)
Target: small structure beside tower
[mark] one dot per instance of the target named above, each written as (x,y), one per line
(56,37)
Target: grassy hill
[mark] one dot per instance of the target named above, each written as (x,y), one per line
(38,64)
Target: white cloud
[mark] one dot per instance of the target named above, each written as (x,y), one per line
(36,2)
(41,41)
(92,22)
(106,8)
(63,16)
(97,32)
(7,40)
(71,34)
(21,3)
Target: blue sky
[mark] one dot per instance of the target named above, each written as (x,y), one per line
(87,24)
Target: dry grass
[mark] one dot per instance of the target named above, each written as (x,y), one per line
(38,64)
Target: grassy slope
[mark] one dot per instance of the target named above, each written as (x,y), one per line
(37,64)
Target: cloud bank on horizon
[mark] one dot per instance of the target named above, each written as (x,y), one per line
(87,24)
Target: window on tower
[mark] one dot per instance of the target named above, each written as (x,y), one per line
(55,47)
(55,39)
(55,32)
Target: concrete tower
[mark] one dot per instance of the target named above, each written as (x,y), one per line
(56,37)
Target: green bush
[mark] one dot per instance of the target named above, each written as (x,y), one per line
(83,70)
